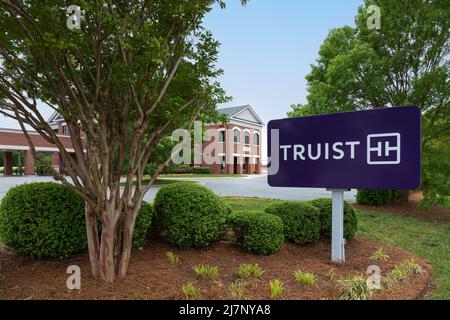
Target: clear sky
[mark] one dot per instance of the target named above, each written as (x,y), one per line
(267,48)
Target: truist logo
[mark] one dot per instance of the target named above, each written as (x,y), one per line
(382,149)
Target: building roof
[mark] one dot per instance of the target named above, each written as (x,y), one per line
(242,114)
(229,112)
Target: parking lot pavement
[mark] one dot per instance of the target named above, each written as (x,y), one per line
(251,186)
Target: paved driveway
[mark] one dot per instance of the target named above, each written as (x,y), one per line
(251,186)
(256,186)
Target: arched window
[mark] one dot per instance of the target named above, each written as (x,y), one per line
(237,135)
(246,137)
(256,138)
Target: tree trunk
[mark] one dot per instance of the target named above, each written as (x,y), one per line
(404,196)
(106,260)
(92,239)
(127,244)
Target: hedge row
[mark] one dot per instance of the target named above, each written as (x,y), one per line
(376,197)
(47,220)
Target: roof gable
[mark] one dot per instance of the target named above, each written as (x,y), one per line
(243,114)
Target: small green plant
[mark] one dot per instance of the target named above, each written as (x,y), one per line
(276,288)
(172,257)
(206,271)
(402,271)
(380,255)
(354,288)
(249,270)
(189,291)
(307,278)
(331,274)
(237,289)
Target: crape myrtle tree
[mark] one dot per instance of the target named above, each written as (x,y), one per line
(133,72)
(405,62)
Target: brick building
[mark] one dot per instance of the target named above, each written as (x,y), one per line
(14,141)
(236,146)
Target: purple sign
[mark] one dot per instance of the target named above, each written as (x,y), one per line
(374,149)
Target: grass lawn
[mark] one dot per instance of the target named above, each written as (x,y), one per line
(428,238)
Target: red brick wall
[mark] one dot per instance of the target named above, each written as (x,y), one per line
(19,139)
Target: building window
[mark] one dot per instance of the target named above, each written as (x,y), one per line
(237,136)
(222,136)
(222,163)
(247,138)
(65,130)
(256,138)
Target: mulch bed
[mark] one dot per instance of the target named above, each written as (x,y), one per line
(151,276)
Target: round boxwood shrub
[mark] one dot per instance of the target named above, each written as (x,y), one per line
(376,197)
(301,221)
(257,231)
(325,207)
(192,215)
(44,220)
(142,225)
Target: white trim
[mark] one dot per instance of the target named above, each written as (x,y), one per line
(33,133)
(247,124)
(221,154)
(237,155)
(251,111)
(26,148)
(256,157)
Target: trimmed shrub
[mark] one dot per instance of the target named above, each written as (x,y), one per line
(201,170)
(142,225)
(257,231)
(192,215)
(44,220)
(301,221)
(376,197)
(178,169)
(325,207)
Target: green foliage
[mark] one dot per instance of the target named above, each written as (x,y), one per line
(276,288)
(376,197)
(192,215)
(172,257)
(189,291)
(206,271)
(237,289)
(178,169)
(249,270)
(43,165)
(44,220)
(379,255)
(402,271)
(354,288)
(301,221)
(142,225)
(325,207)
(201,170)
(257,231)
(436,173)
(307,278)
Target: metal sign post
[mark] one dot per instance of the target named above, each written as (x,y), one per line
(337,226)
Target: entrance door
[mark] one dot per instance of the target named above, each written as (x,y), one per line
(235,165)
(247,165)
